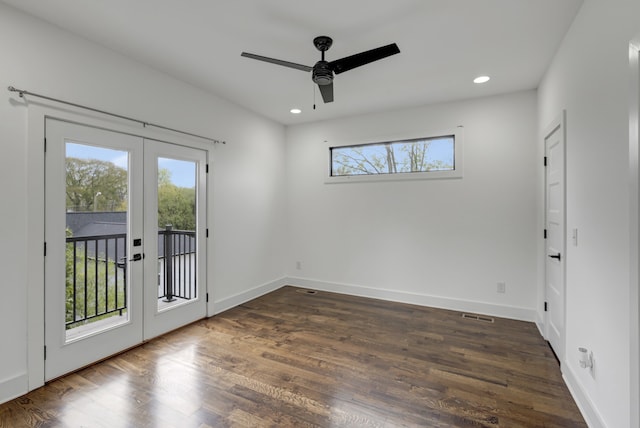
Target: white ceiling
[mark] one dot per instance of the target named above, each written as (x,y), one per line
(444,44)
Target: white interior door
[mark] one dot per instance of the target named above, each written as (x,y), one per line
(555,234)
(113,276)
(175,234)
(93,200)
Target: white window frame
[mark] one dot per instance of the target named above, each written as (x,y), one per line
(457,172)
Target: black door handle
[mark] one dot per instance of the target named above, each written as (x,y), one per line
(555,256)
(136,257)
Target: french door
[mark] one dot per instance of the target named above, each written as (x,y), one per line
(555,237)
(124,230)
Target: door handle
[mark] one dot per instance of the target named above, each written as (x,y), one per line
(556,256)
(136,257)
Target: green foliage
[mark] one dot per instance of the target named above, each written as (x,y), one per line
(176,205)
(88,177)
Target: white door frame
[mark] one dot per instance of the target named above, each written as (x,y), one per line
(557,125)
(634,221)
(38,111)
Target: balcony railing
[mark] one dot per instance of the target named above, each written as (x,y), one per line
(96,272)
(176,279)
(96,277)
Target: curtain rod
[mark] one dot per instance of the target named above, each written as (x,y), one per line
(22,93)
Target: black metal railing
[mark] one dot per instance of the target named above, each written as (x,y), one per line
(96,280)
(96,273)
(177,274)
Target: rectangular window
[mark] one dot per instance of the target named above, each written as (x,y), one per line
(428,157)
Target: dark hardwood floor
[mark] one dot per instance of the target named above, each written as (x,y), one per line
(293,359)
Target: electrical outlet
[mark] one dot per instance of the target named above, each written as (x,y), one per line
(502,287)
(298,265)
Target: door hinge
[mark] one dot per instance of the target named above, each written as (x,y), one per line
(45,145)
(545,234)
(45,249)
(545,161)
(206,169)
(45,352)
(546,306)
(207,233)
(207,297)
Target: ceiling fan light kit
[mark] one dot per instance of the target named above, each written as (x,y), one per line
(322,73)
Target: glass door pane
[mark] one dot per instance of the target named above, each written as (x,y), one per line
(96,199)
(177,279)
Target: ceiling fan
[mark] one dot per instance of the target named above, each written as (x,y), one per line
(322,72)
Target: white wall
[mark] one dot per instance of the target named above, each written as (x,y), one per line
(248,173)
(438,242)
(590,79)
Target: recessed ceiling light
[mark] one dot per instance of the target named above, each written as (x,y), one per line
(296,111)
(481,79)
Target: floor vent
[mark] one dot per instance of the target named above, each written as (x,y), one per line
(306,291)
(478,318)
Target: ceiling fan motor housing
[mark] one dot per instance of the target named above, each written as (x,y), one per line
(322,74)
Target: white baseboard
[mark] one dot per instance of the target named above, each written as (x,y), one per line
(13,387)
(512,312)
(540,323)
(589,412)
(218,306)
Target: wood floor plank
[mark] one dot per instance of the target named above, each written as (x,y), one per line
(295,359)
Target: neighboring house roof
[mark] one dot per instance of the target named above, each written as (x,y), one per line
(96,223)
(101,228)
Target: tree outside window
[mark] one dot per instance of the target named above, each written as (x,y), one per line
(394,157)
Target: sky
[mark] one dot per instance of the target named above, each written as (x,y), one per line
(182,172)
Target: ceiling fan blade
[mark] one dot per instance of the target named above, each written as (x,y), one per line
(277,61)
(327,92)
(345,64)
